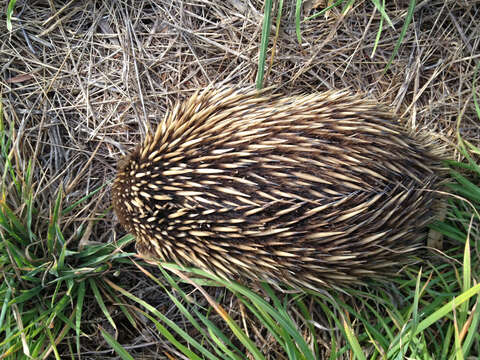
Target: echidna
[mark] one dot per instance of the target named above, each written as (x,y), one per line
(312,190)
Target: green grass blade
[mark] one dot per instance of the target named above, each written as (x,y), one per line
(221,341)
(25,295)
(12,224)
(78,315)
(52,229)
(241,336)
(381,9)
(264,42)
(186,312)
(458,349)
(10,7)
(379,33)
(347,6)
(281,315)
(353,341)
(83,199)
(29,205)
(447,342)
(101,303)
(52,343)
(169,336)
(408,20)
(473,329)
(277,33)
(468,189)
(298,12)
(115,345)
(6,299)
(448,230)
(221,344)
(474,89)
(467,273)
(415,316)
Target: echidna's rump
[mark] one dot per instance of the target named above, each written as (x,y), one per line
(311,190)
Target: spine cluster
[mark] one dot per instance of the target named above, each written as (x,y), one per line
(309,190)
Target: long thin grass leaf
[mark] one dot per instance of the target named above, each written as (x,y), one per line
(10,7)
(237,331)
(115,345)
(352,340)
(379,34)
(472,336)
(6,299)
(415,316)
(298,13)
(101,303)
(408,20)
(267,14)
(79,312)
(83,199)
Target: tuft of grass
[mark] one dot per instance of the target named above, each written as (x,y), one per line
(430,312)
(437,318)
(44,281)
(378,6)
(47,287)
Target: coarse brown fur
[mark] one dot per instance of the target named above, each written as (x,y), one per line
(313,190)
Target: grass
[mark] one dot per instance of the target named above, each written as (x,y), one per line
(57,299)
(267,21)
(44,281)
(45,285)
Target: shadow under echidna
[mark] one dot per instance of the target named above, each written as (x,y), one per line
(313,191)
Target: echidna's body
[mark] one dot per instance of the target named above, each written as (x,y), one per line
(311,190)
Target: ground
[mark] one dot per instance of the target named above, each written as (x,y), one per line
(83,81)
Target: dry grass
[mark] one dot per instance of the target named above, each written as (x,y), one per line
(83,81)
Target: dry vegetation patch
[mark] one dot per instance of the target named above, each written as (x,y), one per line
(82,82)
